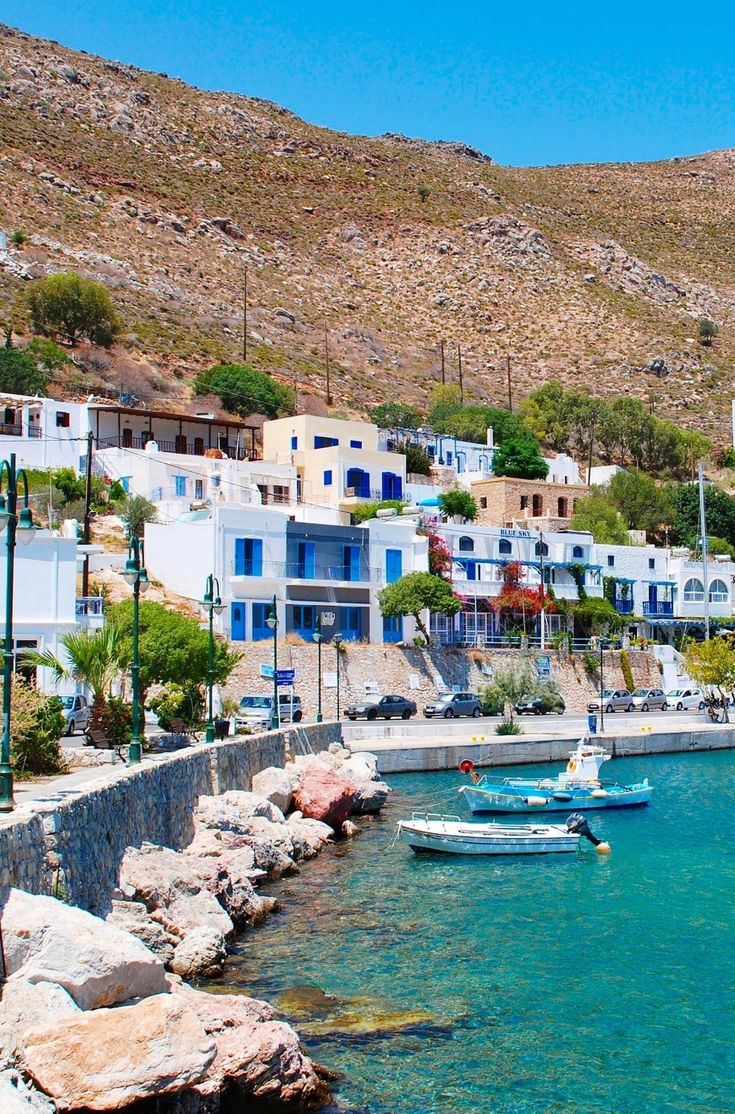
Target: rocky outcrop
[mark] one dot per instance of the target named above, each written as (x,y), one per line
(323,795)
(276,786)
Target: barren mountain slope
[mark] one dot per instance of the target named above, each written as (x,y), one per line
(166,192)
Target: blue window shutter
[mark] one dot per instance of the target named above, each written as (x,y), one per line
(393,565)
(180,485)
(239,556)
(256,557)
(351,561)
(355,444)
(471,570)
(398,489)
(306,563)
(125,484)
(328,477)
(294,444)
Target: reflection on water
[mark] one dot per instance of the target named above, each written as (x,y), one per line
(442,985)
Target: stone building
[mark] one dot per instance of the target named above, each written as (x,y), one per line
(526,504)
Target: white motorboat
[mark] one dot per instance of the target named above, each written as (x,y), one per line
(427,831)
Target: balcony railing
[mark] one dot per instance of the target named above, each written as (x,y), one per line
(233,452)
(660,609)
(279,570)
(623,607)
(87,606)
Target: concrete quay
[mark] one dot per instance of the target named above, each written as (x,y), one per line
(420,752)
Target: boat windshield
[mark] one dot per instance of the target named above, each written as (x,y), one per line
(255,702)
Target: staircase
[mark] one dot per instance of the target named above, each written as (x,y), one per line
(673,674)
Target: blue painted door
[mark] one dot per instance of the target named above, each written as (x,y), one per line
(261,630)
(305,560)
(392,486)
(248,557)
(392,628)
(652,599)
(350,627)
(351,562)
(237,622)
(393,565)
(359,480)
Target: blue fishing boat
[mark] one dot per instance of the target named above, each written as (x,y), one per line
(577,787)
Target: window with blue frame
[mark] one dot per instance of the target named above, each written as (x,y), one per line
(355,444)
(198,489)
(393,565)
(305,560)
(180,485)
(325,442)
(350,627)
(351,562)
(303,619)
(392,628)
(248,557)
(294,444)
(359,481)
(327,477)
(125,484)
(261,630)
(577,553)
(504,546)
(392,487)
(470,569)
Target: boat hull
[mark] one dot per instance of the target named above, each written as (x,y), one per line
(533,798)
(486,839)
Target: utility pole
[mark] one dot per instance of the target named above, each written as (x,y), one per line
(589,458)
(703,533)
(326,361)
(543,599)
(459,366)
(245,317)
(510,385)
(444,371)
(87,514)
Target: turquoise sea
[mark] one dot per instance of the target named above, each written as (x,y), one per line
(558,984)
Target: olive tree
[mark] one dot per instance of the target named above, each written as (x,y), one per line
(417,592)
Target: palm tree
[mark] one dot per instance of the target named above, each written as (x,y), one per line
(95,660)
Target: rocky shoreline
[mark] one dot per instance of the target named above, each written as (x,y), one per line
(96,1013)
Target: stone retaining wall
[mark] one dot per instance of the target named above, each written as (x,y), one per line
(72,846)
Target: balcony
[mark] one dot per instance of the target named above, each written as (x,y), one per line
(659,610)
(89,611)
(623,607)
(181,447)
(242,581)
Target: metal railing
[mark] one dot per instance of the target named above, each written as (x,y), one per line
(277,570)
(232,452)
(86,606)
(623,607)
(661,609)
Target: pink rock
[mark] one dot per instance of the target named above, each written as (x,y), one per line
(324,795)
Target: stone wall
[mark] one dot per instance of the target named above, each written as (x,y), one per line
(72,846)
(505,500)
(392,667)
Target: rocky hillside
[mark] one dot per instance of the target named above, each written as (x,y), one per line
(167,193)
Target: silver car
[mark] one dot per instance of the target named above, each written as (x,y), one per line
(613,700)
(645,700)
(77,713)
(451,704)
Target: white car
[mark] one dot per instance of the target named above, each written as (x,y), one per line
(683,700)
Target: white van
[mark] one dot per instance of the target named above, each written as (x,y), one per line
(256,709)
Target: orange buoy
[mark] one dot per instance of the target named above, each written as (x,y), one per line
(466,767)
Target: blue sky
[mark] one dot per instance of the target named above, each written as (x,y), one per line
(527,82)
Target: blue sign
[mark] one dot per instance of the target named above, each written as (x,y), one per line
(266,671)
(284,676)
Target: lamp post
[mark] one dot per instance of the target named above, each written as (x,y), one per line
(137,577)
(338,651)
(602,690)
(318,639)
(272,622)
(18,526)
(213,605)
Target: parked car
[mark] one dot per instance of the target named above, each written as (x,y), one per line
(384,708)
(451,704)
(613,700)
(685,699)
(645,700)
(256,710)
(541,705)
(77,713)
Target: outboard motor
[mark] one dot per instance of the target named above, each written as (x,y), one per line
(577,824)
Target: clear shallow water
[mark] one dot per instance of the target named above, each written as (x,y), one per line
(559,984)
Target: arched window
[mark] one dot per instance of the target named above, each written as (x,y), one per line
(693,591)
(542,548)
(505,546)
(466,545)
(578,553)
(717,591)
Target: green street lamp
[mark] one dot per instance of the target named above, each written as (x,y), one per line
(137,577)
(272,622)
(338,644)
(317,636)
(213,605)
(20,527)
(602,691)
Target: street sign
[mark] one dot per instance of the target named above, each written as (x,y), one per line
(327,618)
(284,676)
(266,671)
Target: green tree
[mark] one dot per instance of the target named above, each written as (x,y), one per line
(446,402)
(415,592)
(471,423)
(417,459)
(244,391)
(521,459)
(510,685)
(135,513)
(706,331)
(596,514)
(719,514)
(37,726)
(69,484)
(642,504)
(594,616)
(20,374)
(68,306)
(47,354)
(458,502)
(712,664)
(173,648)
(424,193)
(395,415)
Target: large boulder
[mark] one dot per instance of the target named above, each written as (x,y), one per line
(107,1059)
(275,785)
(133,917)
(16,1097)
(324,795)
(370,797)
(309,836)
(96,963)
(200,953)
(233,810)
(26,1005)
(258,1058)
